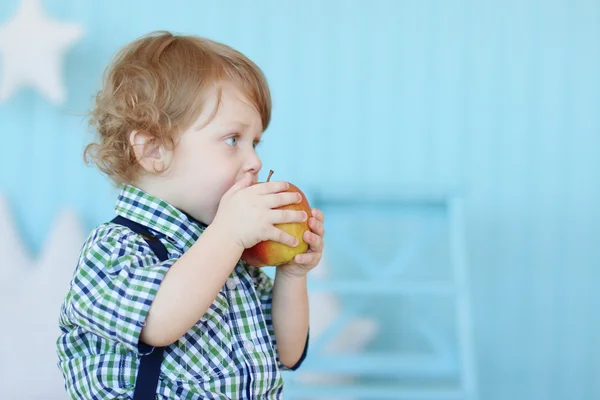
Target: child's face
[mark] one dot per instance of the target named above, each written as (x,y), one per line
(208,161)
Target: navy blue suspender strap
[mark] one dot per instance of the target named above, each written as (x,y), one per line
(149,369)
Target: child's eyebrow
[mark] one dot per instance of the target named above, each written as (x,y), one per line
(240,124)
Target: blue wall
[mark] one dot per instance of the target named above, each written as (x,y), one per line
(498,97)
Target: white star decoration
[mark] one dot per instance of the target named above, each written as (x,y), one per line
(32,47)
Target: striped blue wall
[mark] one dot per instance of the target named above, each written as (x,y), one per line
(498,97)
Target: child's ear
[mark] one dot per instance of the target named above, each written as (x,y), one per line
(149,152)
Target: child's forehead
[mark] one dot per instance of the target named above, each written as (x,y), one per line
(232,108)
(237,106)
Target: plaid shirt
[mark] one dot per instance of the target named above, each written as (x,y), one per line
(229,354)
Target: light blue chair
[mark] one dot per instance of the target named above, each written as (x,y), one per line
(422,236)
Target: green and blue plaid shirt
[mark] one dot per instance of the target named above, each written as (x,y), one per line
(229,354)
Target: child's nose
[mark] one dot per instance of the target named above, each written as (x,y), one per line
(254,163)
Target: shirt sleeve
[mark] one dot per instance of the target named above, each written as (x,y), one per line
(264,290)
(114,286)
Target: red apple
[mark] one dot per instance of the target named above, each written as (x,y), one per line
(275,253)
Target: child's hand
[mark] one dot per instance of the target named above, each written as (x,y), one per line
(247,212)
(303,263)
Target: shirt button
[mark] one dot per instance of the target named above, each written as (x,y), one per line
(248,346)
(230,283)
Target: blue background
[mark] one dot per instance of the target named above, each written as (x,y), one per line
(498,98)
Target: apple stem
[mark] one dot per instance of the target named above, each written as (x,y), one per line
(270,174)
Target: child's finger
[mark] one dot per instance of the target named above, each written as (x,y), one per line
(271,187)
(317,226)
(315,241)
(308,258)
(277,200)
(318,214)
(281,236)
(287,216)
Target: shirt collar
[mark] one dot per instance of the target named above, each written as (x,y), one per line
(161,217)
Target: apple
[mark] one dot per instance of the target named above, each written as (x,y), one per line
(274,253)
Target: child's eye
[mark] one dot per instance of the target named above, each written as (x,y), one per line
(256,144)
(232,141)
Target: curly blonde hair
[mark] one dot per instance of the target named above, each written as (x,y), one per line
(158,84)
